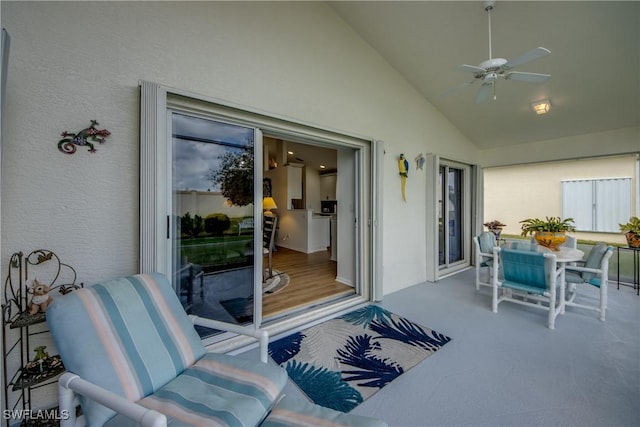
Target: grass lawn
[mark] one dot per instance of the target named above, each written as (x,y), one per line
(218,253)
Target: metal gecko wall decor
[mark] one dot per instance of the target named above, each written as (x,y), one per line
(85,137)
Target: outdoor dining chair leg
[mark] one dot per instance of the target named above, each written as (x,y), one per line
(603,298)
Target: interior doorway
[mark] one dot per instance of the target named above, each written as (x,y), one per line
(314,254)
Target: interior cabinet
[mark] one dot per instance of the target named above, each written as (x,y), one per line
(328,186)
(294,184)
(26,362)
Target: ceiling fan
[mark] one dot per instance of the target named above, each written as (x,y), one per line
(490,70)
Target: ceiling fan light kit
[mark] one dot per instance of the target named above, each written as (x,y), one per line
(541,107)
(491,69)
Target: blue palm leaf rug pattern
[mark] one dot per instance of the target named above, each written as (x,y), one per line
(341,362)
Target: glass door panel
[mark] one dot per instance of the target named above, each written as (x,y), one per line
(454,204)
(213,217)
(451,215)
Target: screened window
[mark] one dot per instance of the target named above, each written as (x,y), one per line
(597,204)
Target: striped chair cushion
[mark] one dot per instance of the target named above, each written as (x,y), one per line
(290,412)
(136,337)
(219,390)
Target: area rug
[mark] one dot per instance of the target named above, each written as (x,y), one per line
(340,363)
(242,308)
(275,283)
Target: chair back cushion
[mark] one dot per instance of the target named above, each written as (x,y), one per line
(130,336)
(594,260)
(487,241)
(524,270)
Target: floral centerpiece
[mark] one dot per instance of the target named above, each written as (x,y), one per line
(548,232)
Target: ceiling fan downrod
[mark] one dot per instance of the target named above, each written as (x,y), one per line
(488,7)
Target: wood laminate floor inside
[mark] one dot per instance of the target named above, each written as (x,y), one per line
(312,281)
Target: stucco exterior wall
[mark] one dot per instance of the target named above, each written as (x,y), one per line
(514,193)
(72,62)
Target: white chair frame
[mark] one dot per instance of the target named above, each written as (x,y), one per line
(555,303)
(603,274)
(71,385)
(479,260)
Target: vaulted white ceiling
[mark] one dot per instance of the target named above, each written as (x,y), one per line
(594,62)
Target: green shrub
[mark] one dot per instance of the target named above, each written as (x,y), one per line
(198,225)
(216,224)
(186,224)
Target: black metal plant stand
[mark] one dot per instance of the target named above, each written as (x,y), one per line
(636,267)
(20,331)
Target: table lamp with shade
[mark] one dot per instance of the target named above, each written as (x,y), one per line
(269,203)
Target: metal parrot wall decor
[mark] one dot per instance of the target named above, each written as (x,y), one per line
(403,168)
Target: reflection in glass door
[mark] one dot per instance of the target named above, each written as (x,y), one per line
(451,226)
(212,194)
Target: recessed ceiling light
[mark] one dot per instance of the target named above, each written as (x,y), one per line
(322,166)
(290,152)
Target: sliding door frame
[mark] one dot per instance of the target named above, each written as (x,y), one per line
(154,178)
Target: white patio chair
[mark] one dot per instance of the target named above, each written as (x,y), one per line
(484,244)
(531,278)
(593,271)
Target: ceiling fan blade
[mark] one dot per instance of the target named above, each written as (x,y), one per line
(527,77)
(455,89)
(471,69)
(528,56)
(484,93)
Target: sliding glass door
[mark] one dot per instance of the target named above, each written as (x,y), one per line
(213,219)
(201,197)
(453,215)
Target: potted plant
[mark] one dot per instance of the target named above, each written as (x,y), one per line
(631,231)
(548,232)
(495,227)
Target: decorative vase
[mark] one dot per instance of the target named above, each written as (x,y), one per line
(633,239)
(549,239)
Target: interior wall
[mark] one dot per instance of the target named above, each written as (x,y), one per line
(72,62)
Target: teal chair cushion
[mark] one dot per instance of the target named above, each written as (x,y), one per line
(218,390)
(290,412)
(129,351)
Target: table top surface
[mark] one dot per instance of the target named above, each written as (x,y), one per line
(563,254)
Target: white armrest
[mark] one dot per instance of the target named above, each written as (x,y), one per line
(260,334)
(70,383)
(584,269)
(559,270)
